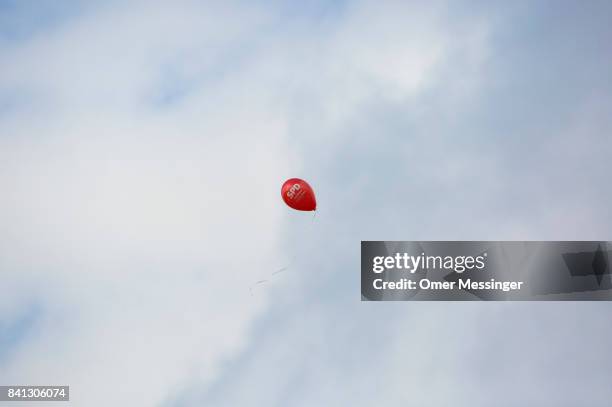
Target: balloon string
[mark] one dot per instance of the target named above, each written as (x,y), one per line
(280,270)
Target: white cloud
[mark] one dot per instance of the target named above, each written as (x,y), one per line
(138,228)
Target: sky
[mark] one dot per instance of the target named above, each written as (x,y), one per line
(142,150)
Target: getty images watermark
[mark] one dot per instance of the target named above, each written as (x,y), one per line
(486,270)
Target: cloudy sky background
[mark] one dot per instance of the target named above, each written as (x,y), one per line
(142,149)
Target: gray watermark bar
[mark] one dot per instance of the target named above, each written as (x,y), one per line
(486,270)
(34,393)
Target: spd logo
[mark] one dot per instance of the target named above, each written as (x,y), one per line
(293,190)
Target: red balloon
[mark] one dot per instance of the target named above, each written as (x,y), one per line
(299,195)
